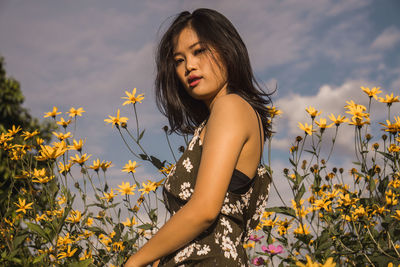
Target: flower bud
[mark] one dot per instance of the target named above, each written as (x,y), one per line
(323,161)
(181,149)
(341,170)
(299,138)
(165,128)
(334,170)
(368,137)
(77,185)
(375,146)
(304,165)
(124,125)
(286,171)
(384,137)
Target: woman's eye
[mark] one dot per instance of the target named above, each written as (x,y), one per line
(178,61)
(199,51)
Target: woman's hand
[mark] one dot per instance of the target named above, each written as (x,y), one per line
(132,263)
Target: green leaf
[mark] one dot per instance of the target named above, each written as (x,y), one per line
(84,263)
(156,162)
(300,193)
(141,135)
(143,156)
(38,230)
(18,240)
(39,258)
(96,230)
(146,226)
(283,210)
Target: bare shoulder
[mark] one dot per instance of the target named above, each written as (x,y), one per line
(231,106)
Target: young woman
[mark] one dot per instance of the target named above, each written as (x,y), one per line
(217,190)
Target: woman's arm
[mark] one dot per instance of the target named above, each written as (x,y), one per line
(227,131)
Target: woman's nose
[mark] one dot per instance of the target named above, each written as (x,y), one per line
(191,64)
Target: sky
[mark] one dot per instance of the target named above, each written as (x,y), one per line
(88,53)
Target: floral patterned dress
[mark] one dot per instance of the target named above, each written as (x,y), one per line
(222,243)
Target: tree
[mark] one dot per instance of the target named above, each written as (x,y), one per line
(13,113)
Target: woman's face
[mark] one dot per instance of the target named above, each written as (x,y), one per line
(199,68)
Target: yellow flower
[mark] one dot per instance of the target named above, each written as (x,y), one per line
(41,217)
(359,212)
(132,98)
(104,166)
(392,128)
(249,245)
(308,129)
(147,188)
(397,215)
(96,165)
(373,92)
(61,200)
(29,134)
(75,216)
(302,230)
(89,221)
(80,159)
(87,254)
(64,169)
(52,113)
(358,122)
(126,188)
(39,141)
(118,246)
(346,200)
(322,204)
(167,170)
(62,136)
(63,123)
(22,206)
(77,145)
(75,112)
(312,111)
(322,123)
(109,196)
(14,130)
(130,167)
(274,112)
(63,241)
(67,254)
(339,120)
(48,152)
(329,263)
(389,100)
(116,120)
(129,223)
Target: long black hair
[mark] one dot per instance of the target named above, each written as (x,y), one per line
(214,29)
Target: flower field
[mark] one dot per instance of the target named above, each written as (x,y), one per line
(336,216)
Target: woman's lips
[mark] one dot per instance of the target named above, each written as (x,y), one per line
(194,82)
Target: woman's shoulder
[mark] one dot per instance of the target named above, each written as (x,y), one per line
(232,105)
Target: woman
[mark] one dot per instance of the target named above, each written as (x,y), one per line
(205,84)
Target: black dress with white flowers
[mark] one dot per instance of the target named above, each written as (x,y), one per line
(222,243)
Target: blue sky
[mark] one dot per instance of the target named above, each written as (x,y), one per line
(87,53)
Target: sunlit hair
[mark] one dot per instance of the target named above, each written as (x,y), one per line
(213,29)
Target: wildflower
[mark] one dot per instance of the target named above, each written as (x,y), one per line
(118,246)
(258,261)
(256,238)
(392,128)
(249,245)
(104,166)
(109,196)
(274,112)
(284,226)
(63,123)
(302,230)
(126,188)
(132,98)
(14,130)
(75,216)
(373,92)
(52,113)
(322,204)
(61,200)
(96,165)
(272,249)
(359,122)
(308,129)
(397,215)
(116,120)
(68,253)
(167,170)
(29,134)
(322,123)
(48,152)
(359,212)
(89,221)
(40,217)
(389,100)
(22,206)
(346,200)
(312,111)
(147,188)
(129,223)
(338,120)
(77,145)
(64,169)
(329,263)
(87,254)
(80,159)
(130,167)
(75,112)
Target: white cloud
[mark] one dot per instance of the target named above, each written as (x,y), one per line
(389,38)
